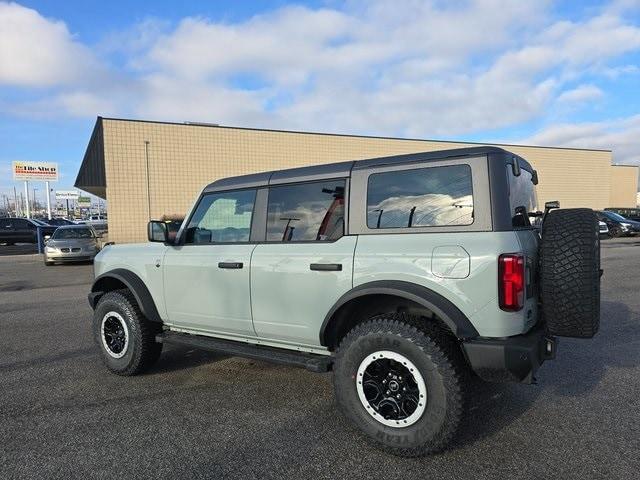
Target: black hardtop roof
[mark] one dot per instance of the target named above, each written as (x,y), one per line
(343,169)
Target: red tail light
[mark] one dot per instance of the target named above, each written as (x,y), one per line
(511,281)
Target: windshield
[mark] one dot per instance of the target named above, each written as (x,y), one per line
(69,233)
(39,222)
(615,216)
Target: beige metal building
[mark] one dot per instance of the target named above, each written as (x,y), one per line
(148,169)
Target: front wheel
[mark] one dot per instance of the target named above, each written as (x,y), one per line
(400,382)
(125,337)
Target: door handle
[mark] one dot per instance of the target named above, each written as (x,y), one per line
(326,267)
(229,264)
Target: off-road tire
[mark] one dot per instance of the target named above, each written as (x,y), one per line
(570,272)
(143,350)
(439,360)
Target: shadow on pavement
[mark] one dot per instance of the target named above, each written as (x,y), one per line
(615,346)
(180,358)
(578,369)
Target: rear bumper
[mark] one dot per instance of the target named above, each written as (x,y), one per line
(510,359)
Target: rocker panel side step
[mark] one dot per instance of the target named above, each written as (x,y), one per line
(313,363)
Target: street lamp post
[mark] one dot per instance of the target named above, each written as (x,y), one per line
(35,206)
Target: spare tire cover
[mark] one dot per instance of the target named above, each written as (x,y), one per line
(570,272)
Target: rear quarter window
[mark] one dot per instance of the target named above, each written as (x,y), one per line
(422,197)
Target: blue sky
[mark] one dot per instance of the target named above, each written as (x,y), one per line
(544,72)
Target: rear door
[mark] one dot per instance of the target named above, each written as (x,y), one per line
(306,263)
(24,231)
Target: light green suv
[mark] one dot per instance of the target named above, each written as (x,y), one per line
(404,275)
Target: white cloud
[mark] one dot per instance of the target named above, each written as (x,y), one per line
(580,94)
(427,69)
(376,68)
(621,135)
(37,52)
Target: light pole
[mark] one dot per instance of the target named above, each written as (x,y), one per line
(48,201)
(35,206)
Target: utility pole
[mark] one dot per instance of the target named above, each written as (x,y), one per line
(15,200)
(26,197)
(35,205)
(48,201)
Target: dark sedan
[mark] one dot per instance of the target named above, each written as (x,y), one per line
(58,222)
(23,230)
(618,225)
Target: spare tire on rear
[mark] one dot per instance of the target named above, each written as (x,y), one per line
(570,272)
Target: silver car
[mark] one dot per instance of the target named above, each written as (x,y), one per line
(71,243)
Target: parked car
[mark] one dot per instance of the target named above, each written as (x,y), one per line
(22,230)
(630,213)
(402,275)
(59,222)
(604,230)
(71,243)
(618,225)
(99,222)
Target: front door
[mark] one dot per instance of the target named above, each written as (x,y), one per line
(306,263)
(206,277)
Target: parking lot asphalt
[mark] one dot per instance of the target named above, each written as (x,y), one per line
(199,415)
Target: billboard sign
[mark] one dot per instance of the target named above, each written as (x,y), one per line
(84,202)
(67,195)
(42,171)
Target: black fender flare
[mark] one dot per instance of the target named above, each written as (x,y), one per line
(451,315)
(135,285)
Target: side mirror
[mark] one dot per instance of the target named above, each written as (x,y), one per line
(534,177)
(157,231)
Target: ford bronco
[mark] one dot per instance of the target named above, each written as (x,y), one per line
(405,276)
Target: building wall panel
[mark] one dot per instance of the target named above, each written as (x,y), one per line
(624,186)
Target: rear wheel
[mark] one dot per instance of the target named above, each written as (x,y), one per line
(615,232)
(570,264)
(400,385)
(125,337)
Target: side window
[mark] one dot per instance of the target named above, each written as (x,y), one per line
(306,212)
(222,218)
(5,224)
(522,194)
(421,197)
(20,224)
